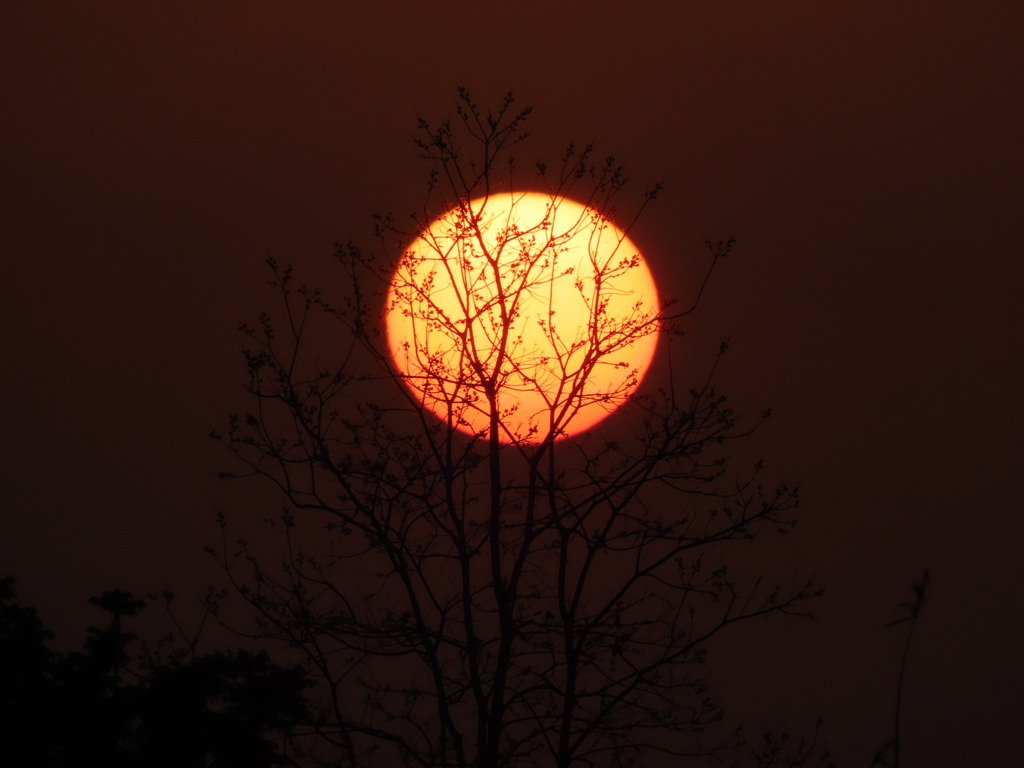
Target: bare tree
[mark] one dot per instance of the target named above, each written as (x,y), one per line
(889,754)
(472,588)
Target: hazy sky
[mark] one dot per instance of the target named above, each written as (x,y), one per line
(866,154)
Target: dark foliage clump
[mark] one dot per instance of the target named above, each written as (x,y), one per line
(99,706)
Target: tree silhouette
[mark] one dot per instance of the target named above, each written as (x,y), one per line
(25,679)
(97,707)
(473,589)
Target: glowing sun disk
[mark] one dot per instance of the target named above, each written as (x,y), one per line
(533,310)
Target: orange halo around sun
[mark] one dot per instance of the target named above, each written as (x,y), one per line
(532,305)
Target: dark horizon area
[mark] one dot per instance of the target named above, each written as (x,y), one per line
(866,156)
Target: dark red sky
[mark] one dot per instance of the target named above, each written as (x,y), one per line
(867,154)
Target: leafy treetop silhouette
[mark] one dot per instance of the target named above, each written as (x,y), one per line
(97,707)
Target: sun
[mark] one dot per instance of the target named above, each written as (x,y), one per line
(527,314)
